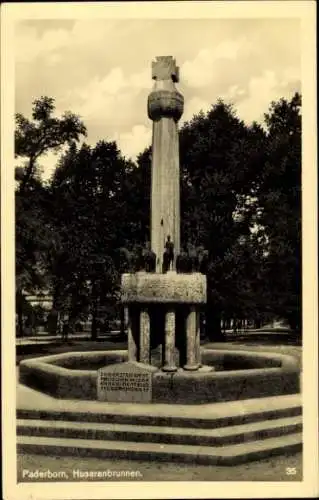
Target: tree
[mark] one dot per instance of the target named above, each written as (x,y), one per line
(240,207)
(32,240)
(279,213)
(219,154)
(33,230)
(87,209)
(44,133)
(134,198)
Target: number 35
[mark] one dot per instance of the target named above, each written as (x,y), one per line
(291,471)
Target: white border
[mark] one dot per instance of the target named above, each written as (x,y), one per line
(304,10)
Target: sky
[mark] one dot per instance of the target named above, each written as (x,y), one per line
(100,69)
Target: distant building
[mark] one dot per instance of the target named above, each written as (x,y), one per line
(44,299)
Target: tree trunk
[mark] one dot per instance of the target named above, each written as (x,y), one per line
(235,326)
(20,323)
(94,312)
(294,321)
(20,332)
(122,319)
(257,324)
(28,174)
(94,322)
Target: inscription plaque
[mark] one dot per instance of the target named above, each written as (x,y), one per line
(125,382)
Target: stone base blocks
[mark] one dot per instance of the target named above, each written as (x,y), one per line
(155,317)
(168,288)
(219,434)
(125,382)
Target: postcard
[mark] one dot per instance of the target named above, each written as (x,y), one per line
(159,259)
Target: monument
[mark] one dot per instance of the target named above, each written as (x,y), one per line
(165,107)
(163,307)
(163,361)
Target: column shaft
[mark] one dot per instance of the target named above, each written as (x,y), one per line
(197,340)
(169,364)
(144,337)
(131,342)
(165,199)
(191,341)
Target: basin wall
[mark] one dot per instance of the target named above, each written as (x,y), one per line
(270,375)
(224,386)
(59,382)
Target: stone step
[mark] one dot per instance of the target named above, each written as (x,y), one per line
(201,417)
(224,455)
(156,434)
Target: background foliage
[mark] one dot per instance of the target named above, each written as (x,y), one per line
(240,205)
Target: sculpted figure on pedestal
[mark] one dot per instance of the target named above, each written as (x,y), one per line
(193,258)
(168,256)
(149,258)
(182,262)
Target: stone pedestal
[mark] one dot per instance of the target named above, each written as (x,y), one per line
(192,361)
(131,343)
(165,293)
(197,340)
(169,363)
(154,300)
(144,337)
(125,382)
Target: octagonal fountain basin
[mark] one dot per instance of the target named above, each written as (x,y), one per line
(224,376)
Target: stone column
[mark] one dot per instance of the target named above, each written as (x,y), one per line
(144,337)
(131,343)
(169,362)
(165,107)
(191,341)
(197,340)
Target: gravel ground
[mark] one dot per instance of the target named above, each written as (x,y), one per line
(270,469)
